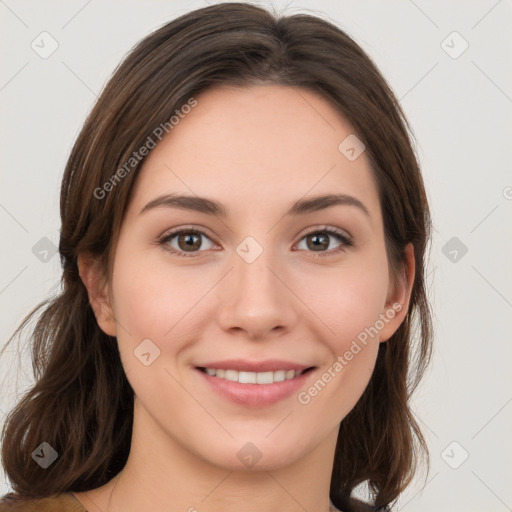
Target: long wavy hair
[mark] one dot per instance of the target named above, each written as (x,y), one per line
(81,402)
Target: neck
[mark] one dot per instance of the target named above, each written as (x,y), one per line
(162,475)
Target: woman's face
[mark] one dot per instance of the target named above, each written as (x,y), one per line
(259,287)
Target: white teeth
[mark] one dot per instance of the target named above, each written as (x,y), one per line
(254,377)
(247,377)
(231,375)
(265,377)
(279,375)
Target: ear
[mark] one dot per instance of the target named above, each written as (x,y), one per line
(397,302)
(97,289)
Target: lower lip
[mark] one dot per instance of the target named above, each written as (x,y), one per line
(255,395)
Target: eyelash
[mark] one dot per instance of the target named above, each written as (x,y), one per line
(346,242)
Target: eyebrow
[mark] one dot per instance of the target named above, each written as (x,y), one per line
(210,207)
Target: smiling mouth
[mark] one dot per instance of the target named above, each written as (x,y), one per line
(244,377)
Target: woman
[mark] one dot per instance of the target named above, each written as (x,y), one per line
(244,227)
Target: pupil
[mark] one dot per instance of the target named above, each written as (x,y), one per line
(192,241)
(317,242)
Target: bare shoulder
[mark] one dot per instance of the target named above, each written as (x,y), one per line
(64,502)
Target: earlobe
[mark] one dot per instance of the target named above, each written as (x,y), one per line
(397,303)
(97,290)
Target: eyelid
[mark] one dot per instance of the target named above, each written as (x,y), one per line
(176,231)
(329,229)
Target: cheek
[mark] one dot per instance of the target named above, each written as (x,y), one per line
(352,307)
(352,315)
(151,302)
(351,310)
(149,299)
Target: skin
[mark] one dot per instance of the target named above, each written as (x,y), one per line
(256,150)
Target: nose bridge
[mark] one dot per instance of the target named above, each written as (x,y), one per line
(259,300)
(255,272)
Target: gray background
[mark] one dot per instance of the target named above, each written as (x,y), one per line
(459,104)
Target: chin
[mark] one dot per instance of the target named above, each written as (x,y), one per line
(260,454)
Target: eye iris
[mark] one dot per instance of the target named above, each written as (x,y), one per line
(191,241)
(316,237)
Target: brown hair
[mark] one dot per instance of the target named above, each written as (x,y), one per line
(82,403)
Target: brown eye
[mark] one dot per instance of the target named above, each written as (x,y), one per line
(320,241)
(189,242)
(186,242)
(317,241)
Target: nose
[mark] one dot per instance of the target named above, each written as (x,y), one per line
(257,298)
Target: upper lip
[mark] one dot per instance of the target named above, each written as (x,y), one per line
(270,365)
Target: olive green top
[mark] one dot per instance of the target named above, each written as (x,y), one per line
(65,502)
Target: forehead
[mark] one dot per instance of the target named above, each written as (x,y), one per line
(257,145)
